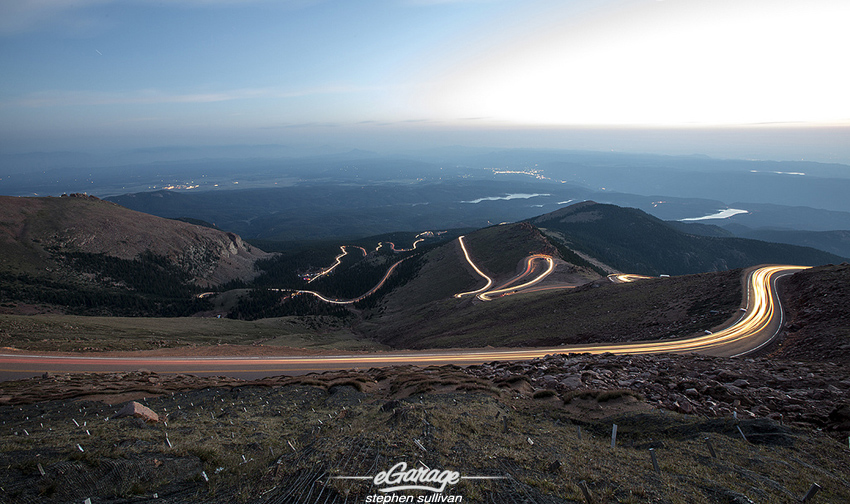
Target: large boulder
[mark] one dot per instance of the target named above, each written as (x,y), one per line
(134,409)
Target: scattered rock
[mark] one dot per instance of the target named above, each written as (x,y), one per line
(814,394)
(134,409)
(571,382)
(390,405)
(724,375)
(685,407)
(733,390)
(840,417)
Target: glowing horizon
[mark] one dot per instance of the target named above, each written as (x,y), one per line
(381,73)
(690,63)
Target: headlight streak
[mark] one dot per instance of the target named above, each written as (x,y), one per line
(477,270)
(763,312)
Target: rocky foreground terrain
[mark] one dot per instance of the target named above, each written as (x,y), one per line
(541,428)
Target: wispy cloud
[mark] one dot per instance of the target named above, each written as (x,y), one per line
(442,2)
(22,16)
(153,96)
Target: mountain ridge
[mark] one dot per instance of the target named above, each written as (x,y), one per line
(34,231)
(630,240)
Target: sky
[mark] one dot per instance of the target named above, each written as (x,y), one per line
(762,79)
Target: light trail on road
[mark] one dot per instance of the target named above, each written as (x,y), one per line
(477,270)
(626,277)
(757,327)
(417,238)
(489,295)
(352,301)
(485,294)
(337,262)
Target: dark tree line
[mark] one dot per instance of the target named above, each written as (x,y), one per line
(404,273)
(265,303)
(148,273)
(148,285)
(284,270)
(350,280)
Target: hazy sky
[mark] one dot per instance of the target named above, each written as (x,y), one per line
(732,78)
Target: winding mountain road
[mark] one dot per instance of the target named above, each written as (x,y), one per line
(487,294)
(337,262)
(352,301)
(761,320)
(626,277)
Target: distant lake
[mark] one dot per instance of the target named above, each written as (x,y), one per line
(722,214)
(507,197)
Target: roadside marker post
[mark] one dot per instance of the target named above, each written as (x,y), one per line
(811,493)
(710,448)
(654,460)
(614,436)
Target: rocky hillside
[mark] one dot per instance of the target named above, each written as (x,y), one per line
(817,303)
(34,231)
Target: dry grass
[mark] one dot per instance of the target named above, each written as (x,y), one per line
(73,333)
(600,395)
(282,444)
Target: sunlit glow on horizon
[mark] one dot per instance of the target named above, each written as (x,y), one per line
(684,63)
(759,79)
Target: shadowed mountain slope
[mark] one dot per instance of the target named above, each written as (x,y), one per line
(630,240)
(424,314)
(35,230)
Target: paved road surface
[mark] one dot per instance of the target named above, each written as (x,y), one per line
(757,326)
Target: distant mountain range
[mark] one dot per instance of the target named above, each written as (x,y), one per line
(296,186)
(834,242)
(306,211)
